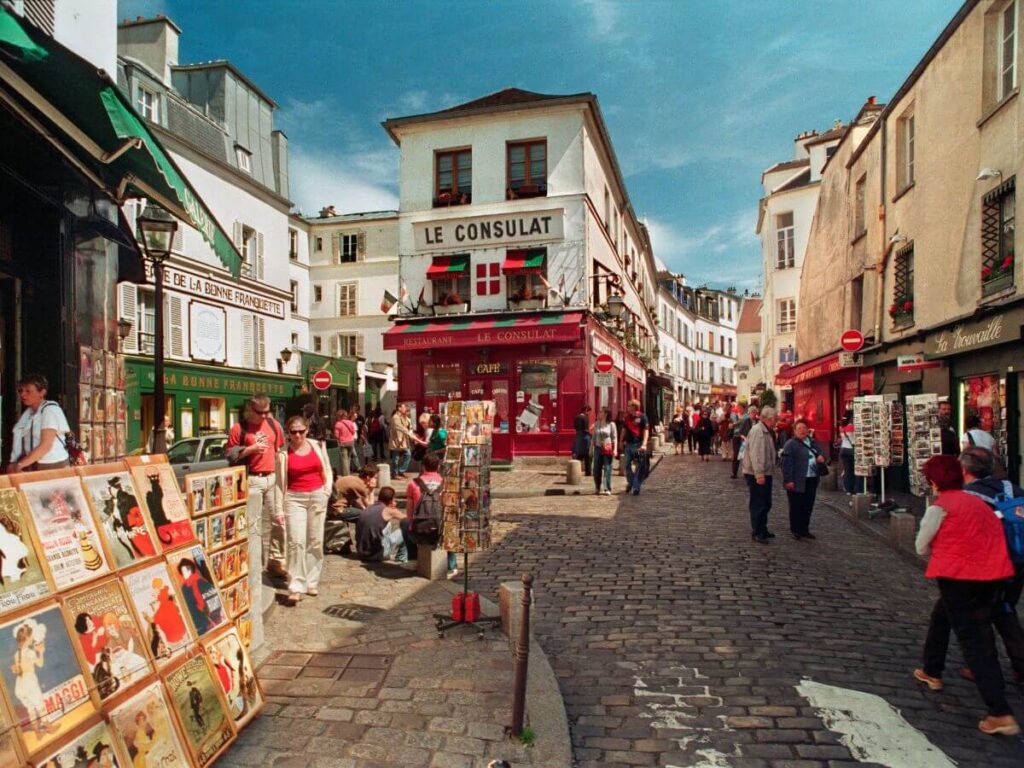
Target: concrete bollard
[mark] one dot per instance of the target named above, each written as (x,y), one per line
(655,444)
(862,505)
(432,564)
(902,531)
(383,475)
(510,598)
(574,472)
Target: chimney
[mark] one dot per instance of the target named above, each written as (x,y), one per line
(327,211)
(154,42)
(871,101)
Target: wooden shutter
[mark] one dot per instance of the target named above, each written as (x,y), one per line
(361,246)
(178,240)
(259,256)
(334,345)
(175,326)
(248,346)
(347,300)
(260,339)
(128,309)
(236,235)
(359,345)
(336,248)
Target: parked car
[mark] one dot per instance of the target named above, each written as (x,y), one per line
(196,454)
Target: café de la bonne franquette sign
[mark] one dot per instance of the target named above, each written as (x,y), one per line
(513,228)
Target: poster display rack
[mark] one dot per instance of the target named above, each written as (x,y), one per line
(924,438)
(115,640)
(879,442)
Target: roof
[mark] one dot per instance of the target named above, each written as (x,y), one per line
(787,166)
(829,135)
(140,20)
(225,64)
(501,99)
(750,316)
(342,218)
(800,180)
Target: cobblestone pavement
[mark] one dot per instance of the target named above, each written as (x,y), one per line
(679,642)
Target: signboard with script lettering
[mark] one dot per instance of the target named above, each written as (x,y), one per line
(488,231)
(978,334)
(219,292)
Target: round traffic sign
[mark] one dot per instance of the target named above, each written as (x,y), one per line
(322,379)
(852,340)
(604,363)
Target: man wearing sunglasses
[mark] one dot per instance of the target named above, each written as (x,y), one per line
(254,442)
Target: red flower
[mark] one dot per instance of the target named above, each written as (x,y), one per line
(1007,262)
(908,305)
(986,272)
(892,309)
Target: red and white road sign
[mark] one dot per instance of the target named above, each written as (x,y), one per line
(604,363)
(322,379)
(852,340)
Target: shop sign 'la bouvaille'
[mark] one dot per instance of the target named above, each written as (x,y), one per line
(485,231)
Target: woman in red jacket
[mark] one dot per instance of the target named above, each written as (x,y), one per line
(968,561)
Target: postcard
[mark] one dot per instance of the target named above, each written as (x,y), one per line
(216,534)
(125,528)
(200,526)
(159,612)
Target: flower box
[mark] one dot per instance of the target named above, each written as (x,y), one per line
(527,304)
(450,309)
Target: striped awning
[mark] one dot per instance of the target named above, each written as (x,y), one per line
(522,262)
(448,266)
(465,331)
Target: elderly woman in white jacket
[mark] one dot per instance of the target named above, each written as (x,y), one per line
(304,485)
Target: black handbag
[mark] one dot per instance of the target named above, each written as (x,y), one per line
(821,468)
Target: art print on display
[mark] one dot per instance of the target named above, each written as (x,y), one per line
(143,726)
(200,527)
(84,402)
(233,670)
(98,404)
(109,369)
(197,495)
(108,637)
(229,525)
(85,364)
(121,439)
(98,441)
(21,575)
(198,590)
(68,537)
(45,686)
(244,625)
(471,456)
(122,523)
(98,368)
(196,699)
(92,749)
(227,484)
(122,405)
(119,378)
(216,530)
(159,612)
(158,491)
(110,443)
(8,741)
(110,399)
(217,566)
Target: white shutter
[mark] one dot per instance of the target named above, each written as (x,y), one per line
(260,328)
(334,345)
(359,345)
(128,309)
(259,256)
(248,356)
(335,248)
(175,326)
(361,246)
(236,235)
(338,296)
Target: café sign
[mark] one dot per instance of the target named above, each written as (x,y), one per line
(488,369)
(968,336)
(513,228)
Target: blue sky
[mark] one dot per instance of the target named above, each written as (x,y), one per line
(700,96)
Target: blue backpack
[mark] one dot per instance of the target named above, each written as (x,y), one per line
(1010,510)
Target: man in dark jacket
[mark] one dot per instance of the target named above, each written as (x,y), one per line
(978,467)
(950,439)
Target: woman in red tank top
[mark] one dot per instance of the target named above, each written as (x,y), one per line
(304,484)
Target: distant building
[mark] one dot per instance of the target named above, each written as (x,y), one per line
(748,346)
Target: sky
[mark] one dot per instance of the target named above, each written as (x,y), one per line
(700,96)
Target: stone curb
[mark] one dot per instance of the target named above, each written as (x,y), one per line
(836,505)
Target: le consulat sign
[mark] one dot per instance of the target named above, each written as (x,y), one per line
(513,228)
(978,334)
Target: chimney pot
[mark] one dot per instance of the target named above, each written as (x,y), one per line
(871,100)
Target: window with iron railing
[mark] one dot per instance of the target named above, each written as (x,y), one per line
(902,308)
(998,214)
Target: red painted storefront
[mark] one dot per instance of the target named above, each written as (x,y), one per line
(537,367)
(823,390)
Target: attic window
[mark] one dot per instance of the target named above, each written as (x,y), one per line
(244,159)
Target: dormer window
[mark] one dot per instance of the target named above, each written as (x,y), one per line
(244,159)
(149,104)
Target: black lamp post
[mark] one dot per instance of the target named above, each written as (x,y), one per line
(156,230)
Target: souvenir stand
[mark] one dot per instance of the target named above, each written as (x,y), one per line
(878,443)
(115,641)
(466,500)
(924,438)
(102,407)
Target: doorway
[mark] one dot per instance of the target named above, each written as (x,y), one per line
(147,417)
(496,390)
(10,355)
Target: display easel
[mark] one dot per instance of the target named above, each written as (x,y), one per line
(446,622)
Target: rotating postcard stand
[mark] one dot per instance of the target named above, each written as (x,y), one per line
(878,442)
(466,501)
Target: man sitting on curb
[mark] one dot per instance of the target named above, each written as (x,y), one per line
(432,481)
(352,494)
(382,531)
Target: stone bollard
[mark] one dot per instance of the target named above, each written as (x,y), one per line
(432,564)
(862,505)
(574,472)
(655,444)
(902,531)
(510,598)
(383,475)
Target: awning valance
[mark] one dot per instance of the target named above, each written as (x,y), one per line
(468,331)
(522,262)
(81,110)
(448,266)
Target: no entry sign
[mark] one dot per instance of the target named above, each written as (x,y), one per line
(604,363)
(322,379)
(852,340)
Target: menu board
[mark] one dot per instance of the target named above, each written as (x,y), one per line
(466,469)
(924,438)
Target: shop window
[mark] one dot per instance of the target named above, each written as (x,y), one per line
(453,178)
(983,398)
(538,381)
(488,279)
(442,381)
(451,291)
(902,308)
(998,214)
(527,169)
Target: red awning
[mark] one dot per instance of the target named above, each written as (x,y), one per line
(813,369)
(442,267)
(465,331)
(523,262)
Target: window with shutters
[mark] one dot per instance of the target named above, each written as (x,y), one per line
(318,293)
(527,169)
(294,287)
(349,248)
(786,316)
(347,300)
(128,309)
(488,279)
(998,213)
(902,308)
(453,177)
(174,326)
(785,250)
(254,342)
(318,344)
(349,345)
(250,245)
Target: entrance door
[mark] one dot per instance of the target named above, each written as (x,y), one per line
(496,390)
(9,356)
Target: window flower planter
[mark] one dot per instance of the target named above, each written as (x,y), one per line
(451,309)
(902,312)
(527,304)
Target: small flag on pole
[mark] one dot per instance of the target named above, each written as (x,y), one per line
(403,293)
(387,302)
(420,299)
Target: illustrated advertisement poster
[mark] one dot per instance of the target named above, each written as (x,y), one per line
(8,740)
(163,624)
(145,731)
(117,508)
(45,687)
(195,698)
(21,575)
(93,748)
(158,491)
(233,669)
(108,637)
(67,532)
(198,589)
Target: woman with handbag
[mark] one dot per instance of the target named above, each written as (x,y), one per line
(802,465)
(605,442)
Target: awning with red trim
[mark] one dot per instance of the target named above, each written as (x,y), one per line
(523,262)
(490,331)
(813,369)
(448,266)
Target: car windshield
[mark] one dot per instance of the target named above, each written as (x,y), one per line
(183,452)
(213,449)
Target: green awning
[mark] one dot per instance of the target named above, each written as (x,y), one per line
(50,87)
(521,262)
(448,266)
(344,370)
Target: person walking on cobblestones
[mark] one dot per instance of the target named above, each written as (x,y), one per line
(758,468)
(605,447)
(968,560)
(801,458)
(739,436)
(636,431)
(401,435)
(581,443)
(705,430)
(678,428)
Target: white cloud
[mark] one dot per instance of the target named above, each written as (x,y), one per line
(604,16)
(720,254)
(351,183)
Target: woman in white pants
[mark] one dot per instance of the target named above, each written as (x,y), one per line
(304,485)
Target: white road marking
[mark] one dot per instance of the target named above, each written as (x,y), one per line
(674,705)
(871,728)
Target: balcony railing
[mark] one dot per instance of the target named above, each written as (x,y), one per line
(447,198)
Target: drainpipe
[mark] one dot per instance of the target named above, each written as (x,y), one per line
(880,265)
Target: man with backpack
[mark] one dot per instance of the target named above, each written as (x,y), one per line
(423,507)
(254,441)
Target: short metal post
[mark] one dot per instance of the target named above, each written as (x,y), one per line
(522,657)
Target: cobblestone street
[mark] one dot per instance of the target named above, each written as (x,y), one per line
(679,642)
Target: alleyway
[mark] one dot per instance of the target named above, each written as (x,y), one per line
(677,641)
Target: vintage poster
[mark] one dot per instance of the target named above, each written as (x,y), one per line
(84,403)
(161,499)
(196,700)
(244,626)
(198,589)
(216,535)
(121,438)
(146,732)
(109,368)
(9,754)
(120,376)
(98,404)
(117,507)
(21,575)
(108,637)
(197,495)
(160,615)
(233,669)
(98,368)
(69,539)
(92,749)
(98,442)
(45,687)
(85,363)
(200,527)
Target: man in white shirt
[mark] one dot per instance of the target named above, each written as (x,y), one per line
(39,433)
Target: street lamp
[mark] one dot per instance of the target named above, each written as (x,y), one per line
(156,230)
(616,305)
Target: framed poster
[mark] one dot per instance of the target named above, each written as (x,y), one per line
(84,403)
(244,625)
(110,405)
(127,531)
(109,369)
(85,364)
(85,438)
(233,669)
(69,539)
(108,638)
(98,442)
(121,440)
(158,611)
(98,369)
(195,698)
(197,588)
(162,501)
(43,682)
(98,404)
(9,748)
(94,747)
(207,332)
(22,580)
(144,728)
(197,496)
(120,377)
